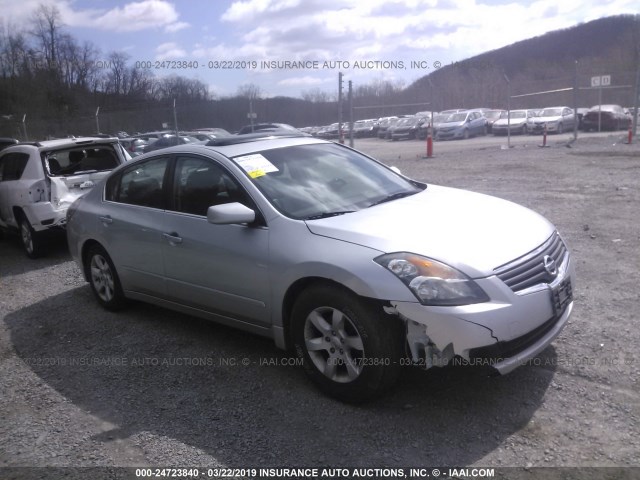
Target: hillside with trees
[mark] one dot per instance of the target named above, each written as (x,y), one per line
(58,83)
(554,61)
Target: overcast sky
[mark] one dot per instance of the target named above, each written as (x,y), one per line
(362,34)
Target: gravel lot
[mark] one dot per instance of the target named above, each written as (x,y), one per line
(148,387)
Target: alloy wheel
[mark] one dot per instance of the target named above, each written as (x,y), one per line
(102,278)
(334,344)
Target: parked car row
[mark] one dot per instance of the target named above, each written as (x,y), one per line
(465,123)
(146,142)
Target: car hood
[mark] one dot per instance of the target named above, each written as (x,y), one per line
(547,119)
(451,124)
(504,121)
(473,232)
(594,113)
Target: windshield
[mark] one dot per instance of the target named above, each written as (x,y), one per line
(308,181)
(407,121)
(457,117)
(551,112)
(514,114)
(602,108)
(494,114)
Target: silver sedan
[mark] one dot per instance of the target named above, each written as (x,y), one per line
(356,268)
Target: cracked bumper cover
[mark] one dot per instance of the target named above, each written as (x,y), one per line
(503,333)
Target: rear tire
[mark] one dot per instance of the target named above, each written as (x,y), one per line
(104,279)
(349,348)
(32,241)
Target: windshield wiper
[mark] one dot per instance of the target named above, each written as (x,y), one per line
(393,196)
(328,214)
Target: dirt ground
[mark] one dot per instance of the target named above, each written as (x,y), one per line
(84,387)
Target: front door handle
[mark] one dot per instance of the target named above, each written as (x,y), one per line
(107,220)
(173,238)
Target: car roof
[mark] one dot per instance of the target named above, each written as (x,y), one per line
(68,142)
(238,145)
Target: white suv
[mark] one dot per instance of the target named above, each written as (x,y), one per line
(38,182)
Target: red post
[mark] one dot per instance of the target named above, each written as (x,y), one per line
(544,136)
(429,142)
(630,135)
(341,137)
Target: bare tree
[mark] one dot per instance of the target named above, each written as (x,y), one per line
(117,76)
(316,95)
(140,83)
(249,90)
(13,53)
(87,69)
(47,25)
(182,88)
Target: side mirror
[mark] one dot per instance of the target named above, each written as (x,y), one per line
(229,213)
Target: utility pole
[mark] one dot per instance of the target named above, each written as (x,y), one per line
(508,110)
(97,120)
(175,118)
(575,103)
(340,137)
(350,113)
(431,100)
(636,103)
(24,127)
(251,114)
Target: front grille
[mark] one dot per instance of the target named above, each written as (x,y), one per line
(529,270)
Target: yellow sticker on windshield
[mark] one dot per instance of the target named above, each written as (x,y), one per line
(256,173)
(255,165)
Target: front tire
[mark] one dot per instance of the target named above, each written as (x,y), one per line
(104,279)
(349,348)
(31,240)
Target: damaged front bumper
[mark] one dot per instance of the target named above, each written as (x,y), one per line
(503,334)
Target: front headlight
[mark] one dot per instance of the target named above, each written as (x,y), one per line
(433,282)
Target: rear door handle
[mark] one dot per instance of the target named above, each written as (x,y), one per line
(107,220)
(173,238)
